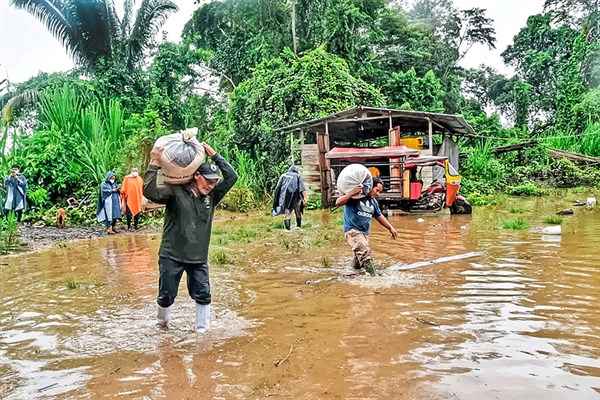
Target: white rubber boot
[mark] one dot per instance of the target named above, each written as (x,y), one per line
(163,315)
(202,317)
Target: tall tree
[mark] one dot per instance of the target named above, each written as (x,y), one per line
(549,60)
(289,89)
(579,14)
(93,33)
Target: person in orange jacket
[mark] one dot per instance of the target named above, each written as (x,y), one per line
(131,197)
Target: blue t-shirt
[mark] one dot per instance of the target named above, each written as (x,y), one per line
(358,214)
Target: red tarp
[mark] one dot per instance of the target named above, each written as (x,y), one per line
(373,152)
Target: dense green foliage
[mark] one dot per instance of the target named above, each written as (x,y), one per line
(246,68)
(290,89)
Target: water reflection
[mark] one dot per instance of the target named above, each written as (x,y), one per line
(519,321)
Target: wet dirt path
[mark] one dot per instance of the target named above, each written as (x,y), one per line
(520,321)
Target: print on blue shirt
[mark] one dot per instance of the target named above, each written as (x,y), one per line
(358,214)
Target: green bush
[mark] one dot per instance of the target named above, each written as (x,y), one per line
(553,220)
(525,189)
(239,199)
(565,174)
(517,224)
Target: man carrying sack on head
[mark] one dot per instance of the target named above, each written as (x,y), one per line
(189,214)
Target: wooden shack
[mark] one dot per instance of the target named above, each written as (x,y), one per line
(367,127)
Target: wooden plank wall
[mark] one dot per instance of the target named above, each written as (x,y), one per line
(310,167)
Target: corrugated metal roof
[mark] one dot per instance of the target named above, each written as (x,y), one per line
(372,121)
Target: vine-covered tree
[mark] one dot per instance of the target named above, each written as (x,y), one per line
(289,89)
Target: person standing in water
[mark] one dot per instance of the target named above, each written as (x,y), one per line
(290,196)
(186,234)
(358,214)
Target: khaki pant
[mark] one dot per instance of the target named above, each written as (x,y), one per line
(360,245)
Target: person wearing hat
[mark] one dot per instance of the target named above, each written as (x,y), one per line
(189,211)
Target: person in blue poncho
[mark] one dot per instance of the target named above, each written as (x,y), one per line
(109,203)
(290,195)
(16,192)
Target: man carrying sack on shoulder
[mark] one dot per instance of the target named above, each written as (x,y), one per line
(189,214)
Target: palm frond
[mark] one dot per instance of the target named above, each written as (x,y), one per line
(85,28)
(53,14)
(126,22)
(17,102)
(114,25)
(151,15)
(93,26)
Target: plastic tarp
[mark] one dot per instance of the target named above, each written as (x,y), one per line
(449,148)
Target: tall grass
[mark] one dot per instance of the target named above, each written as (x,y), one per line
(483,165)
(252,172)
(588,142)
(97,126)
(8,232)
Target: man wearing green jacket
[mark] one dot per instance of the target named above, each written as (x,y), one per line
(186,232)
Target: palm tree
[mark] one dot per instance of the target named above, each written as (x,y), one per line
(92,31)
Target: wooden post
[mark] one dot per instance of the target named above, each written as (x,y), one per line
(395,168)
(430,136)
(324,166)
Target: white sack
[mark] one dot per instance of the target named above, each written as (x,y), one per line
(181,157)
(352,176)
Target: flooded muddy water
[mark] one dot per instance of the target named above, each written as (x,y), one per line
(520,320)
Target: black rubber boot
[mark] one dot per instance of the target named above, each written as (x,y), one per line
(355,263)
(288,224)
(128,223)
(299,222)
(370,268)
(136,220)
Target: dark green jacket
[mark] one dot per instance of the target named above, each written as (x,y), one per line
(188,218)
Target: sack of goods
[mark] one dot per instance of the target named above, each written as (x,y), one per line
(352,176)
(181,157)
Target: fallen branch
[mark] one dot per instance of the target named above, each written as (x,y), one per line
(47,387)
(279,362)
(514,147)
(424,321)
(576,157)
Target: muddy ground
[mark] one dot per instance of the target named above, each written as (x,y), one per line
(35,238)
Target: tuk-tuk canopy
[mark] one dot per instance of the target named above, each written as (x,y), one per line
(371,152)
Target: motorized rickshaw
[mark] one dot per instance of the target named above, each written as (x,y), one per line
(403,170)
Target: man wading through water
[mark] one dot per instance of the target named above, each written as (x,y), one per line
(186,232)
(357,222)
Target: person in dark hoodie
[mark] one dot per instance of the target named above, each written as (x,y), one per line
(109,203)
(186,234)
(290,195)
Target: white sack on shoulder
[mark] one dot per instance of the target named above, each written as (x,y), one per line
(352,176)
(181,157)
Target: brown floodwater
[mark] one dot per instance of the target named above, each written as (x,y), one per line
(519,321)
